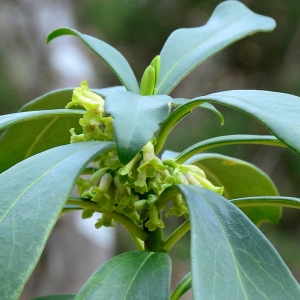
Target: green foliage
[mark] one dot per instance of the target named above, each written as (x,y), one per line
(226,171)
(39,184)
(232,252)
(230,22)
(57,297)
(136,275)
(121,130)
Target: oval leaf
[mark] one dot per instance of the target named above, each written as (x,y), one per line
(111,56)
(231,258)
(32,196)
(279,112)
(136,119)
(240,179)
(41,134)
(225,140)
(132,275)
(267,200)
(11,119)
(188,47)
(104,92)
(177,115)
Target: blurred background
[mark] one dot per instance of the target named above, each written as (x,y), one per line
(138,29)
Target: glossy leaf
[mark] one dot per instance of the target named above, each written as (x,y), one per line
(57,297)
(32,196)
(25,139)
(240,179)
(183,286)
(131,275)
(231,258)
(111,56)
(136,119)
(211,108)
(279,112)
(104,92)
(208,106)
(267,200)
(177,115)
(188,47)
(234,139)
(11,119)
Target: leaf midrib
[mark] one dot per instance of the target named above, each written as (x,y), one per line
(237,265)
(135,275)
(195,48)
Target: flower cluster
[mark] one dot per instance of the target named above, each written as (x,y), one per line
(96,125)
(131,190)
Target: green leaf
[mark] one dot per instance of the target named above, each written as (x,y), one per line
(279,112)
(240,179)
(183,286)
(228,140)
(32,196)
(11,119)
(131,275)
(25,139)
(177,115)
(111,56)
(211,108)
(208,106)
(104,92)
(136,119)
(57,297)
(188,47)
(231,258)
(52,100)
(267,200)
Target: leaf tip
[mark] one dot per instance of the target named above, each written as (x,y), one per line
(59,32)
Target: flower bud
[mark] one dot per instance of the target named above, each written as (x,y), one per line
(105,182)
(155,63)
(84,97)
(154,221)
(148,81)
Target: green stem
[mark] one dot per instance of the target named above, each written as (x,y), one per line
(155,238)
(267,201)
(123,220)
(184,285)
(227,140)
(69,208)
(176,235)
(82,203)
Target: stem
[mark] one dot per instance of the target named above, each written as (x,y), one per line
(69,208)
(175,236)
(227,140)
(267,201)
(123,220)
(183,286)
(155,239)
(84,204)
